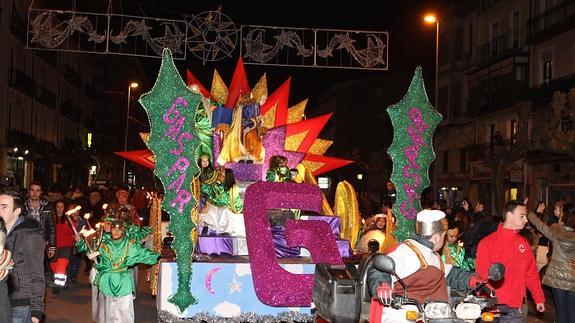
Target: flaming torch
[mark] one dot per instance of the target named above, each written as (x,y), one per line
(87,218)
(69,213)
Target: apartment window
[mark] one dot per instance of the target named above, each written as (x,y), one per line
(515,29)
(455,105)
(491,132)
(458,50)
(443,49)
(10,115)
(546,65)
(520,72)
(470,40)
(445,162)
(494,33)
(547,70)
(512,130)
(443,98)
(463,160)
(566,124)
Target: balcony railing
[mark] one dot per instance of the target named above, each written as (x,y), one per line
(18,25)
(544,93)
(71,111)
(495,93)
(72,77)
(507,42)
(551,20)
(48,98)
(23,83)
(486,150)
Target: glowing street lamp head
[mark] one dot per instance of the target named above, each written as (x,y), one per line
(430,19)
(134,85)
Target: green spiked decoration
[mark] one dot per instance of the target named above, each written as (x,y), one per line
(171,109)
(414,121)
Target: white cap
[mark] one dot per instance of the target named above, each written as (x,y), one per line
(429,222)
(429,216)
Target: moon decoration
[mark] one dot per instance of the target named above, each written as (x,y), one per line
(208,281)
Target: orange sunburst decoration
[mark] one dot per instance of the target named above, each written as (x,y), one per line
(301,136)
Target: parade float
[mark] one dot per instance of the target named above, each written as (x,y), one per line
(246,248)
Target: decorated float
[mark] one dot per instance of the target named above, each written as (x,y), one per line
(248,220)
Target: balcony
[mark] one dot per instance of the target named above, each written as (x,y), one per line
(72,77)
(47,98)
(71,111)
(556,20)
(494,149)
(49,56)
(502,46)
(544,93)
(495,93)
(18,25)
(23,83)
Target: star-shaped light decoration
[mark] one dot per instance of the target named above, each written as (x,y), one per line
(414,120)
(235,286)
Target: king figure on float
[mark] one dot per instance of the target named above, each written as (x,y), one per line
(243,139)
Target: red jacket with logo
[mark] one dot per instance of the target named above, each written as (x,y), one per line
(512,250)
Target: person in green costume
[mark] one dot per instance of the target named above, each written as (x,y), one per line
(117,253)
(224,206)
(453,253)
(278,170)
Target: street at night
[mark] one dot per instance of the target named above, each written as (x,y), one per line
(227,161)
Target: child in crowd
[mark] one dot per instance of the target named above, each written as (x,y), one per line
(453,252)
(132,232)
(118,253)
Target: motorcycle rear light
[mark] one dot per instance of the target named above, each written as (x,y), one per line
(411,315)
(488,317)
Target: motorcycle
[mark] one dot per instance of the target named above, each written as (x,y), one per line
(466,307)
(341,294)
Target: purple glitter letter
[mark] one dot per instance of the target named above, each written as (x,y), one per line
(274,285)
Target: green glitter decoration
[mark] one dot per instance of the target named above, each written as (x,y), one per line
(414,121)
(171,109)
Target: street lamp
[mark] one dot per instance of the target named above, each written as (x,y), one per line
(432,19)
(132,85)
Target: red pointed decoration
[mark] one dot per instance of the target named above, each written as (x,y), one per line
(331,163)
(238,86)
(313,126)
(281,97)
(193,80)
(143,157)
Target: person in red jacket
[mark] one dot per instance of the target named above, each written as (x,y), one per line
(508,247)
(65,242)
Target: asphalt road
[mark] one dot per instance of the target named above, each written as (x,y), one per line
(74,305)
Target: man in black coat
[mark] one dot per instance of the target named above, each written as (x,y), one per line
(25,242)
(41,211)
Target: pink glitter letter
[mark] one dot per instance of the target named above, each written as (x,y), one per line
(181,164)
(274,285)
(415,116)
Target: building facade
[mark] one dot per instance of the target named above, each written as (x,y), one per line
(497,94)
(53,105)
